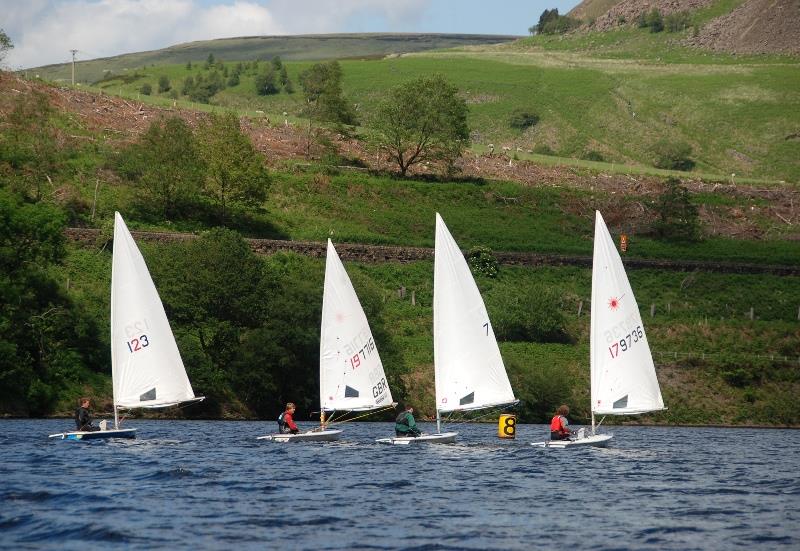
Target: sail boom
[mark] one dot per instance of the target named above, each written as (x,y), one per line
(484,406)
(638,411)
(159,405)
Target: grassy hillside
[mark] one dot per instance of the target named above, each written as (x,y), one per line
(606,96)
(300,47)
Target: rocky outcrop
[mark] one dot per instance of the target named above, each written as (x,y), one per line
(755,27)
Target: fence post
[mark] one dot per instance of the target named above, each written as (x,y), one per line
(751,313)
(413,298)
(580,307)
(652,309)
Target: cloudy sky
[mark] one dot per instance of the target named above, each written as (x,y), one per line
(44,31)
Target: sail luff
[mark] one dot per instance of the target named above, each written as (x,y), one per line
(623,378)
(351,373)
(468,366)
(147,369)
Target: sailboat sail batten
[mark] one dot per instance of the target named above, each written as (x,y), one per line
(352,377)
(623,374)
(469,369)
(146,365)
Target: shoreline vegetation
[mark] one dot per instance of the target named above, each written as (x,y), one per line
(717,258)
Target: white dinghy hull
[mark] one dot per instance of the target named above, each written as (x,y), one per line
(310,436)
(96,435)
(442,438)
(594,440)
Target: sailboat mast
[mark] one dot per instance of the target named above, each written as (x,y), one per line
(438,422)
(592,421)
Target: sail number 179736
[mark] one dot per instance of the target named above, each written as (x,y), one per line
(626,342)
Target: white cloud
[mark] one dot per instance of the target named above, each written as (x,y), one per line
(45,31)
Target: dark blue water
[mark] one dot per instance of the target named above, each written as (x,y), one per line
(211,485)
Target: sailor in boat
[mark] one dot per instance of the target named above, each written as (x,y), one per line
(286,423)
(405,425)
(83,417)
(559,425)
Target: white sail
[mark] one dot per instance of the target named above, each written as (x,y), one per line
(469,369)
(623,375)
(350,369)
(146,366)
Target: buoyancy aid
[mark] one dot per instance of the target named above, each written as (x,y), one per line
(557,425)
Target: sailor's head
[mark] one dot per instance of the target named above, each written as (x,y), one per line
(290,406)
(563,409)
(84,402)
(410,409)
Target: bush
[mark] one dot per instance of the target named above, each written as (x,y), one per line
(523,119)
(676,22)
(672,155)
(482,261)
(163,84)
(655,21)
(528,314)
(146,89)
(593,156)
(677,216)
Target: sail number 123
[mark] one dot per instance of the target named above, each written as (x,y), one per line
(625,343)
(134,345)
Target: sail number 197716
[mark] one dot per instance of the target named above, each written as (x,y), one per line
(625,343)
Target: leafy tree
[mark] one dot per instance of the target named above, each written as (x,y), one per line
(266,82)
(45,341)
(30,145)
(286,81)
(213,289)
(235,172)
(188,86)
(189,65)
(5,45)
(678,218)
(146,89)
(163,84)
(166,164)
(209,62)
(421,120)
(233,80)
(322,88)
(550,22)
(277,64)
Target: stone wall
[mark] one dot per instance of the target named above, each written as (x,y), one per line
(382,253)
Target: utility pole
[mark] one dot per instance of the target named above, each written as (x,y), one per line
(73,65)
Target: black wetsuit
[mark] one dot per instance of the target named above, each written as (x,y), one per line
(83,420)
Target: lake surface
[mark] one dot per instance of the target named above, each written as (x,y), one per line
(211,485)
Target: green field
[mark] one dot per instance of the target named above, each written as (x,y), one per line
(740,115)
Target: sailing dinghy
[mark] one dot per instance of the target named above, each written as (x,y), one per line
(146,366)
(470,374)
(623,376)
(351,375)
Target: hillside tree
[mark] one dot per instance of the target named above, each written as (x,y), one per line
(163,84)
(166,164)
(5,45)
(266,82)
(235,171)
(678,218)
(421,120)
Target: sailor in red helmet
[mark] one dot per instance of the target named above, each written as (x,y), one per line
(559,425)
